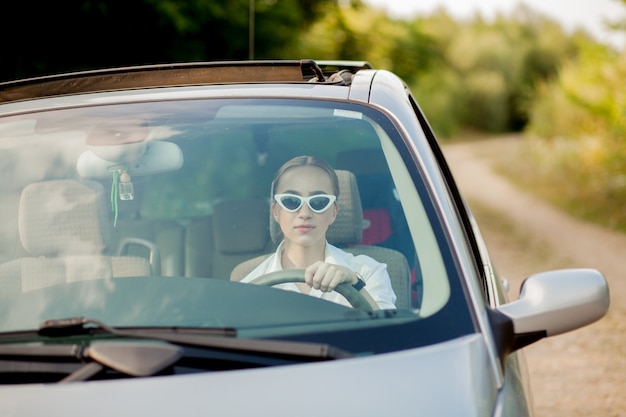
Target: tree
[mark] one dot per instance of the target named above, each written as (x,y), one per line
(51,37)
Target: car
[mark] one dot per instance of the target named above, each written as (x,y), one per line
(136,200)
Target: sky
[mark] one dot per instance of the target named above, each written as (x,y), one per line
(571,14)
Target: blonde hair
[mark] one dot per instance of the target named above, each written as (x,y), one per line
(303,161)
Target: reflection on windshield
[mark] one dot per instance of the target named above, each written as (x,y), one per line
(173,200)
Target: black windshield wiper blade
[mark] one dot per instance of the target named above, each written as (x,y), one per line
(82,325)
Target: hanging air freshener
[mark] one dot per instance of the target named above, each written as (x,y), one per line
(126,189)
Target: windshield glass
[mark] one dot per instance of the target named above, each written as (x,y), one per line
(167,213)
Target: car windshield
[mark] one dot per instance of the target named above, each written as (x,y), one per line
(151,214)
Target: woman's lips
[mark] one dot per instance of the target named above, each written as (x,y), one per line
(305,228)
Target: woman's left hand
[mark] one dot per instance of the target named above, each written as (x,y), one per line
(325,277)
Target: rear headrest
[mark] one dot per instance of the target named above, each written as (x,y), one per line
(370,168)
(240,226)
(63,217)
(348,226)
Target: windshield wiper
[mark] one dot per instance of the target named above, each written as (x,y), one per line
(82,325)
(130,358)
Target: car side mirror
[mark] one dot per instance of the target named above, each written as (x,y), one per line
(555,302)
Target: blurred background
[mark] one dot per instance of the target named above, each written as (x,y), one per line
(478,68)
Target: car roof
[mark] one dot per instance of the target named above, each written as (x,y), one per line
(183,74)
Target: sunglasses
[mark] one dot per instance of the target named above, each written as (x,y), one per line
(317,203)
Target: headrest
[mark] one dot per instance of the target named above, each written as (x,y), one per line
(240,226)
(348,226)
(63,217)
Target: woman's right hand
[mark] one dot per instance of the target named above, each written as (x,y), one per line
(325,277)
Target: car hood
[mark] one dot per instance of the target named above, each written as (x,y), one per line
(448,379)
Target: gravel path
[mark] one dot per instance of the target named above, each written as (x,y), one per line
(581,373)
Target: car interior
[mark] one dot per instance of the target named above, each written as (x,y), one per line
(199,199)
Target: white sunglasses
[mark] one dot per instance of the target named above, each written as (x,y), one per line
(317,203)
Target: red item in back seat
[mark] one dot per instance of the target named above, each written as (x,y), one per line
(379,228)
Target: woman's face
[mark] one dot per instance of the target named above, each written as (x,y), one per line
(304,227)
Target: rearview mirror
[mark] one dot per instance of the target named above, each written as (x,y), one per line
(155,157)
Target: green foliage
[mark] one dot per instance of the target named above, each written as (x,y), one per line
(474,74)
(498,63)
(581,120)
(53,37)
(352,33)
(516,72)
(438,94)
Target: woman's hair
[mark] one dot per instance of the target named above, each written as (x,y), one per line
(303,161)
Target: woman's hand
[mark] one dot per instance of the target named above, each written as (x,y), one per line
(325,277)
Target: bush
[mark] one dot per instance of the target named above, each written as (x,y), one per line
(581,119)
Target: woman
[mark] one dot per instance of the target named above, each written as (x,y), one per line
(304,203)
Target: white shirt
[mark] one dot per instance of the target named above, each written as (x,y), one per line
(374,273)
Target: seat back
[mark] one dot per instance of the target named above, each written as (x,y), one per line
(386,224)
(346,232)
(240,231)
(63,227)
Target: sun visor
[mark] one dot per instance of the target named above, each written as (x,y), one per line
(136,158)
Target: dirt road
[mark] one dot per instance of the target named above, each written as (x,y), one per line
(581,373)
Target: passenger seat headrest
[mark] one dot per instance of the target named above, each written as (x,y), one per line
(63,217)
(240,226)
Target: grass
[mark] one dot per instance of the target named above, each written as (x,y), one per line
(558,175)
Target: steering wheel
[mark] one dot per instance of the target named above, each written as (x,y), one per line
(359,299)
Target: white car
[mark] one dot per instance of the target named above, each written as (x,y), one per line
(134,201)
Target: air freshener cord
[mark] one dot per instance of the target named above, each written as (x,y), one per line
(114,191)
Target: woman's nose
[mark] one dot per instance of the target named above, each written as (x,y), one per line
(305,211)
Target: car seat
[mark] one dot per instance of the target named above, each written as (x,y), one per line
(135,235)
(240,231)
(346,233)
(385,221)
(63,229)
